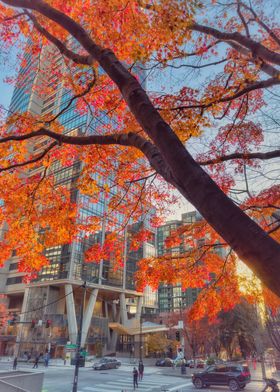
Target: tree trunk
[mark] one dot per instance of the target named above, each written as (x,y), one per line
(253,246)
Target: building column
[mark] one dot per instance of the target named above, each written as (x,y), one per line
(71,314)
(124,258)
(139,308)
(88,315)
(123,310)
(115,313)
(21,322)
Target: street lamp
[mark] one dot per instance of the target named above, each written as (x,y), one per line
(141,337)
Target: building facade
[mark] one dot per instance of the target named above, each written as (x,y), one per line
(172,298)
(44,314)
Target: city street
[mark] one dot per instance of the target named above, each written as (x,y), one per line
(59,379)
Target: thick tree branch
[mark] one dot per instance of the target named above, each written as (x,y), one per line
(125,139)
(256,49)
(246,156)
(77,58)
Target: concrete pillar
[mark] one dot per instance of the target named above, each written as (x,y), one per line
(103,234)
(106,309)
(124,258)
(88,315)
(139,308)
(71,314)
(123,310)
(21,320)
(113,340)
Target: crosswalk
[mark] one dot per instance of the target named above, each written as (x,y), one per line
(126,385)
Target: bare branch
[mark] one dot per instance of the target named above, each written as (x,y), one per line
(250,87)
(242,19)
(240,155)
(18,15)
(37,158)
(262,24)
(74,97)
(197,66)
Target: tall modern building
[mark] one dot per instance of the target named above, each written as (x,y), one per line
(172,297)
(45,313)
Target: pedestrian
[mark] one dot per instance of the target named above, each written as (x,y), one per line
(141,370)
(35,366)
(46,359)
(135,378)
(15,364)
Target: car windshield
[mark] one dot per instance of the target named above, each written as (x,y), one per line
(210,369)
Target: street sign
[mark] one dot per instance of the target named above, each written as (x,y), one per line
(84,353)
(69,346)
(180,324)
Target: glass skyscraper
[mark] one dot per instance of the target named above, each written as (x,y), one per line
(113,307)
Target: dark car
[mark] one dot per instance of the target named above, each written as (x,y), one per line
(106,363)
(164,362)
(198,364)
(236,376)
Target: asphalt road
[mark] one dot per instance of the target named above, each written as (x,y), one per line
(60,379)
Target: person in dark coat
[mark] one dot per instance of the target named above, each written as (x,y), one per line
(135,378)
(15,364)
(141,370)
(35,366)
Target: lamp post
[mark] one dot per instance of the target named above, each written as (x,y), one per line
(141,337)
(79,338)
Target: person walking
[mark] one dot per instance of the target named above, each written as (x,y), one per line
(135,378)
(46,360)
(35,366)
(141,370)
(15,364)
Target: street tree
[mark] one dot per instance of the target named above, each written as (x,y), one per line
(146,143)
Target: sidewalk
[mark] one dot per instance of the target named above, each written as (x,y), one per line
(269,370)
(126,364)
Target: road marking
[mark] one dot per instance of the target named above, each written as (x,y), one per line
(179,386)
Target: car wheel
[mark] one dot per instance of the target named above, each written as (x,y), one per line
(233,385)
(198,383)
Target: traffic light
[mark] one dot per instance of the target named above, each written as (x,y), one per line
(48,323)
(177,336)
(33,322)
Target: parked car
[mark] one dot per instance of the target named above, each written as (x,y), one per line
(236,376)
(164,362)
(198,364)
(106,363)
